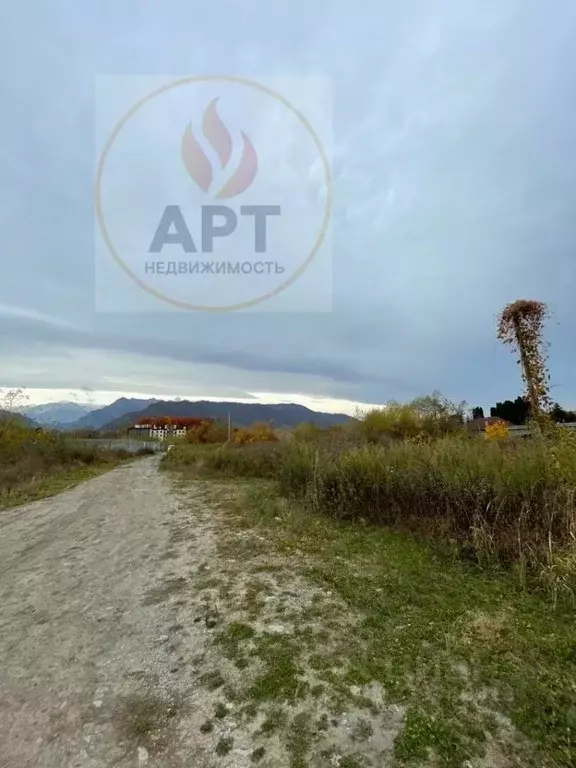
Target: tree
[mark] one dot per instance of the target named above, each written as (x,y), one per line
(515,411)
(478,412)
(520,325)
(431,415)
(13,399)
(560,416)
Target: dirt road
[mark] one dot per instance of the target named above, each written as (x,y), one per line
(138,628)
(95,661)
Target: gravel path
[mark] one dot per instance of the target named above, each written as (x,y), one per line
(141,627)
(95,662)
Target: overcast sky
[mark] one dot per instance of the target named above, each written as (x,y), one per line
(454,125)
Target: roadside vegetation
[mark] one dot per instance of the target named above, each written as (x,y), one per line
(35,463)
(496,502)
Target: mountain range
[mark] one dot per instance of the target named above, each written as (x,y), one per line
(56,414)
(126,411)
(101,417)
(241,414)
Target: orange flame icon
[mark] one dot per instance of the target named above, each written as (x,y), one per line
(198,164)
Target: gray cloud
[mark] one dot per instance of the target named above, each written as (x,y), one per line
(454,190)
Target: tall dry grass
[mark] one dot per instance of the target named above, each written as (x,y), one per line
(507,501)
(28,455)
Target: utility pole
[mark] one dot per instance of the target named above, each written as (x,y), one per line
(229,428)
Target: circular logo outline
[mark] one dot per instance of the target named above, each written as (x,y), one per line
(238,80)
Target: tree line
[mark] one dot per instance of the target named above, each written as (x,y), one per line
(519,412)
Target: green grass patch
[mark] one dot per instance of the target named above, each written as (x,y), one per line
(281,679)
(299,740)
(256,590)
(451,642)
(232,637)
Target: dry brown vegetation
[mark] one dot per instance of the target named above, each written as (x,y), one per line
(35,462)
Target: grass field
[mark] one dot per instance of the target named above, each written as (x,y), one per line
(482,669)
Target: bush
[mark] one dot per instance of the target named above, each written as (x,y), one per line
(497,430)
(28,454)
(432,416)
(207,433)
(259,432)
(307,432)
(257,460)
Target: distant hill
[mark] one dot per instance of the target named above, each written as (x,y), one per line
(18,417)
(97,418)
(56,414)
(241,414)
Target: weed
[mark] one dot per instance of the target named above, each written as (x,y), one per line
(323,723)
(232,637)
(224,746)
(144,719)
(362,730)
(299,739)
(281,677)
(212,679)
(275,720)
(257,754)
(505,502)
(409,615)
(424,615)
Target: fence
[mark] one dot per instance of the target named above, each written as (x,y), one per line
(523,430)
(126,444)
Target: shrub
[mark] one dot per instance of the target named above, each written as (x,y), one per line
(28,454)
(259,432)
(307,432)
(252,460)
(208,432)
(497,430)
(432,416)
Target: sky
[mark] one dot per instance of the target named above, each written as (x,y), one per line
(452,127)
